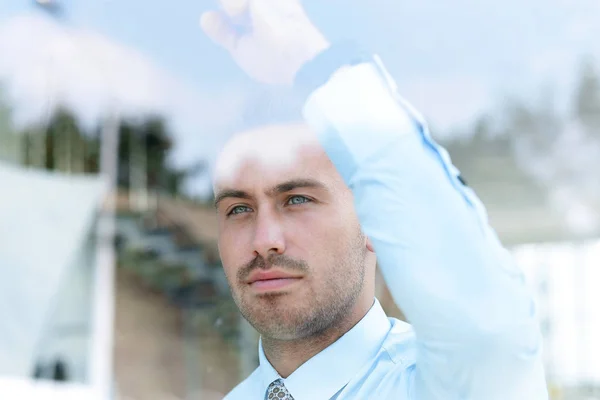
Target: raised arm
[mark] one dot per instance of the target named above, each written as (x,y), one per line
(475,320)
(477,334)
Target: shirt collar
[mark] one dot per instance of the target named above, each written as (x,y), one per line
(330,370)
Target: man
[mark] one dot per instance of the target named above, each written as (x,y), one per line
(305,211)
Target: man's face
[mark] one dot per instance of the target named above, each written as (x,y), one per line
(289,237)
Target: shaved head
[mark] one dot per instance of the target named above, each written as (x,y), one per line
(274,146)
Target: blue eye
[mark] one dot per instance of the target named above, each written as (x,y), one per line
(294,200)
(239,210)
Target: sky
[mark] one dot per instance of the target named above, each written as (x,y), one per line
(452,60)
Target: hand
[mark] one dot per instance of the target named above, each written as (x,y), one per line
(276,38)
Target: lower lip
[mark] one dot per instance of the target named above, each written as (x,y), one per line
(273,284)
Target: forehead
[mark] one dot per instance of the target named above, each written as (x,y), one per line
(270,154)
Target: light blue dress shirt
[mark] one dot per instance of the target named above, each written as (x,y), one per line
(474,333)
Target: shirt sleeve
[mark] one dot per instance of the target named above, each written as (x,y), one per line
(475,321)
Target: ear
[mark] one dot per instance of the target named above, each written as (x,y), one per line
(370,245)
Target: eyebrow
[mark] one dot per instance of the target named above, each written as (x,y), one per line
(290,185)
(283,187)
(231,193)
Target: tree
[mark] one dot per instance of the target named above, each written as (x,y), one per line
(62,144)
(587,97)
(5,115)
(10,142)
(144,149)
(65,143)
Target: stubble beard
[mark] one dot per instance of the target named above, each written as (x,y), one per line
(277,317)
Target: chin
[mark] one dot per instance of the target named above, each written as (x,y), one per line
(282,331)
(288,326)
(275,321)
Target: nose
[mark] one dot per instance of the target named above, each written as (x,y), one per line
(269,235)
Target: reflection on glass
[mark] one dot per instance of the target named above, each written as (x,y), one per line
(74,73)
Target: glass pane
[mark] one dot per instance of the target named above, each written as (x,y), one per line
(113,113)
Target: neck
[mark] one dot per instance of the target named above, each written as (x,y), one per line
(286,356)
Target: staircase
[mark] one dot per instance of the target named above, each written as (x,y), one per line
(177,329)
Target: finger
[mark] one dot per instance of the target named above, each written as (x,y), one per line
(235,8)
(218,29)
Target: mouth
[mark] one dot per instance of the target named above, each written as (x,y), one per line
(272,280)
(268,285)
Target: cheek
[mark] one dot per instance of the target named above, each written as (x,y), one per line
(305,228)
(320,237)
(233,250)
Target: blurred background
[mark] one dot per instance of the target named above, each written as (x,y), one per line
(112,113)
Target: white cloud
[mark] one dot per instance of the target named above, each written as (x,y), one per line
(449,102)
(44,64)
